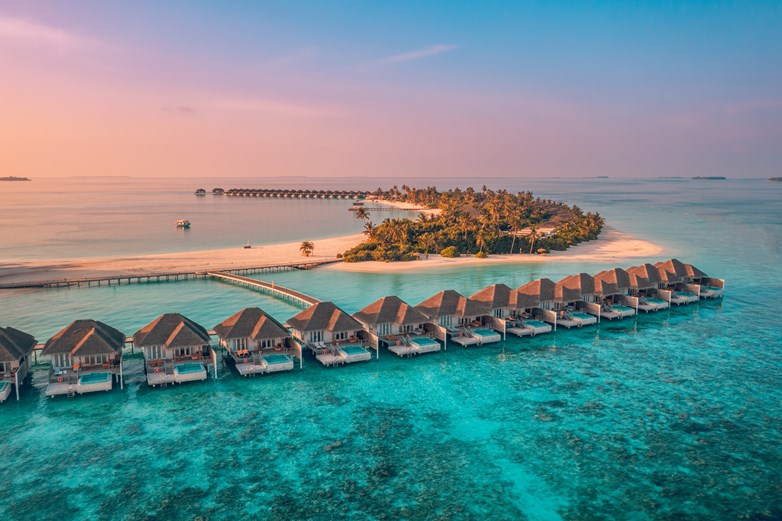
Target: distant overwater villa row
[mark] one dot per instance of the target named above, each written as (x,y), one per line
(87,355)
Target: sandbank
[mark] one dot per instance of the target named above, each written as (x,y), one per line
(612,247)
(404,206)
(175,262)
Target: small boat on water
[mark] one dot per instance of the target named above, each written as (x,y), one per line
(248,246)
(183,223)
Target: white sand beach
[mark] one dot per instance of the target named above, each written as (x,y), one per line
(170,262)
(612,247)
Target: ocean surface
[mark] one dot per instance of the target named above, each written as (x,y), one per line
(674,415)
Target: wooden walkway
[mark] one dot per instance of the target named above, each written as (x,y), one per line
(116,280)
(269,288)
(386,209)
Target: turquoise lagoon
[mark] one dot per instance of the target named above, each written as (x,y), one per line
(671,415)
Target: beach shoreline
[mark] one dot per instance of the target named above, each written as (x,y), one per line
(613,246)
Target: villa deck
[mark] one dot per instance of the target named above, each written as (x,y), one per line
(529,328)
(415,346)
(339,354)
(260,363)
(71,383)
(177,371)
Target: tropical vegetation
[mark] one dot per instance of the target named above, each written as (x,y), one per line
(473,222)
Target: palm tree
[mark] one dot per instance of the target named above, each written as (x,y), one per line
(480,239)
(428,241)
(533,235)
(362,213)
(369,229)
(306,248)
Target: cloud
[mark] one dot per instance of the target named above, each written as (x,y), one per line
(426,52)
(34,33)
(180,110)
(275,107)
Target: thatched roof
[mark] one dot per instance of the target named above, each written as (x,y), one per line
(495,296)
(583,282)
(324,315)
(531,294)
(171,330)
(84,338)
(449,302)
(252,323)
(672,271)
(390,310)
(15,344)
(611,282)
(644,276)
(694,272)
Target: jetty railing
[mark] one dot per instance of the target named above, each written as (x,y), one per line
(270,288)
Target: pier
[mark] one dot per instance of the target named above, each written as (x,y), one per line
(269,288)
(117,280)
(296,194)
(386,209)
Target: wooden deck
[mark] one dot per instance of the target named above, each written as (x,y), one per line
(269,288)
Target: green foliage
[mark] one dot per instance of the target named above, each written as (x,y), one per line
(473,222)
(450,251)
(481,255)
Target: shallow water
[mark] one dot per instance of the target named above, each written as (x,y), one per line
(674,414)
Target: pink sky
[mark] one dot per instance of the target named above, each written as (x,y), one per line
(76,102)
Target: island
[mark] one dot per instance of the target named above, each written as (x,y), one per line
(13,178)
(710,178)
(775,179)
(479,222)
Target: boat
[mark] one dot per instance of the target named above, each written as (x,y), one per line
(247,246)
(200,192)
(183,223)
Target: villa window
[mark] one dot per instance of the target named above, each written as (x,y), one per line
(61,360)
(240,343)
(183,351)
(5,367)
(446,321)
(498,313)
(384,329)
(316,336)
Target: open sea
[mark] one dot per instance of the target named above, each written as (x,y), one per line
(674,415)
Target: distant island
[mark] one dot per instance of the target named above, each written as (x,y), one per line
(13,178)
(711,177)
(479,222)
(775,179)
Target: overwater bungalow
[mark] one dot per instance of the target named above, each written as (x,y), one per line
(333,336)
(15,349)
(675,279)
(86,357)
(176,350)
(572,297)
(459,317)
(500,300)
(391,322)
(611,287)
(644,282)
(708,287)
(533,301)
(256,343)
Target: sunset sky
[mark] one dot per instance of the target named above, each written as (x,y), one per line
(339,88)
